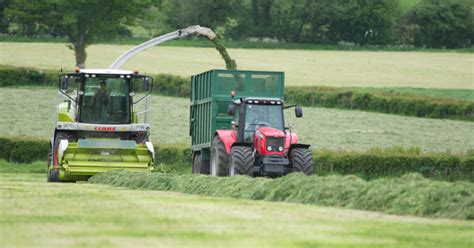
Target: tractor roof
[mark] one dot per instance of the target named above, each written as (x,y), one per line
(106,71)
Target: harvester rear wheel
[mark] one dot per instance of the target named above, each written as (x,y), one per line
(200,166)
(302,160)
(219,158)
(241,161)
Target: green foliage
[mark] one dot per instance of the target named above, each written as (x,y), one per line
(23,151)
(368,165)
(383,102)
(394,163)
(443,23)
(36,167)
(410,194)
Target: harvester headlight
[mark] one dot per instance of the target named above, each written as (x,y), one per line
(280,148)
(269,148)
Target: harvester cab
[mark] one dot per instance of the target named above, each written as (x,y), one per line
(101,124)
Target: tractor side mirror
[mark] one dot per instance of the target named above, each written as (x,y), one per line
(64,83)
(298,111)
(231,109)
(147,83)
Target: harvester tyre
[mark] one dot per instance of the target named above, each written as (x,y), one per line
(241,161)
(302,160)
(200,166)
(53,174)
(219,158)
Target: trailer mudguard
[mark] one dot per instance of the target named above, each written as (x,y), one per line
(228,137)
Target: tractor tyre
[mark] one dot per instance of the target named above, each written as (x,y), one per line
(200,166)
(241,161)
(301,160)
(219,158)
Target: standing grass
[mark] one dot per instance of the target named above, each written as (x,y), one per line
(35,213)
(30,113)
(302,67)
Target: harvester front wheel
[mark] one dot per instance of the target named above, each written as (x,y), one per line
(241,161)
(219,158)
(200,166)
(302,160)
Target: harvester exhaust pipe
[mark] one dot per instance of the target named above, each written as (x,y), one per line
(192,30)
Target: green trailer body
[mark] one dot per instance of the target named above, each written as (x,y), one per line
(211,95)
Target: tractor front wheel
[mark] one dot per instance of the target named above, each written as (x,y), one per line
(302,160)
(241,161)
(219,158)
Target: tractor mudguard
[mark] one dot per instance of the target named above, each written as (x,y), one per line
(228,137)
(292,146)
(291,138)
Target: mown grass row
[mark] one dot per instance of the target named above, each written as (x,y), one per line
(392,101)
(411,194)
(369,165)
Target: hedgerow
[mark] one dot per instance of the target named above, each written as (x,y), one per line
(329,97)
(411,194)
(367,164)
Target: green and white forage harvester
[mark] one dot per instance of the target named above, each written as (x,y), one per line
(102,118)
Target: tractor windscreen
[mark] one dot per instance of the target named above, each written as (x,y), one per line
(257,116)
(105,100)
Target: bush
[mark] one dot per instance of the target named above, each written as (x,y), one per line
(368,165)
(411,194)
(382,102)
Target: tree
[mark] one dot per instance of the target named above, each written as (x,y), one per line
(83,22)
(444,23)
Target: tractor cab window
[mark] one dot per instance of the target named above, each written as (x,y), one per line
(105,100)
(257,116)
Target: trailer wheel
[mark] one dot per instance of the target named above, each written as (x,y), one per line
(219,158)
(302,160)
(200,166)
(241,161)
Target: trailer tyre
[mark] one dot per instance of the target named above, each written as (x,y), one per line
(200,166)
(302,160)
(241,161)
(219,158)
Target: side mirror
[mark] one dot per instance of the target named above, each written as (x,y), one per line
(298,112)
(231,109)
(147,83)
(64,83)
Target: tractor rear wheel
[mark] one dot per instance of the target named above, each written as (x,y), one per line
(219,158)
(241,161)
(200,166)
(302,160)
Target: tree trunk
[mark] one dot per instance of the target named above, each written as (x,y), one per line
(81,55)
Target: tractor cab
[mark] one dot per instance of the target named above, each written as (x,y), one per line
(253,114)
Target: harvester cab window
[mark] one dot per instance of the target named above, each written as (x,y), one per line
(106,101)
(257,116)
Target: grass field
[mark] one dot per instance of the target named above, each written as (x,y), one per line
(29,112)
(35,213)
(302,67)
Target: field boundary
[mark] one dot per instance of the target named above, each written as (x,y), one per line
(368,165)
(316,96)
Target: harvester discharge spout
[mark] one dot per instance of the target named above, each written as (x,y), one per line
(192,30)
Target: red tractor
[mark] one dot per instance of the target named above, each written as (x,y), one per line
(258,144)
